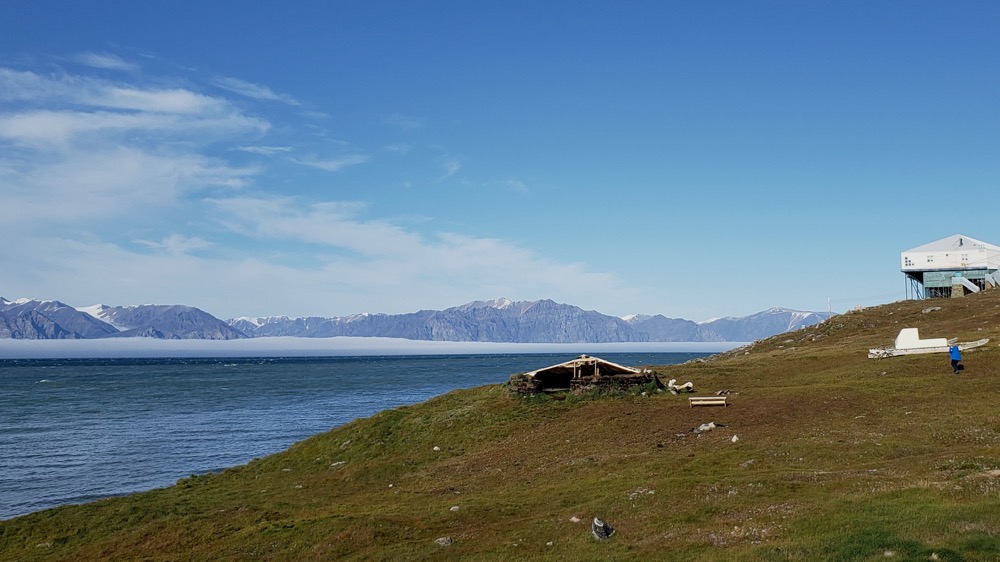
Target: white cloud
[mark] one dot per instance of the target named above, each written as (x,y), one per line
(266,150)
(96,93)
(78,185)
(105,61)
(404,122)
(159,101)
(17,85)
(255,91)
(333,224)
(78,148)
(450,167)
(176,244)
(121,193)
(354,265)
(46,127)
(333,164)
(368,257)
(399,148)
(515,185)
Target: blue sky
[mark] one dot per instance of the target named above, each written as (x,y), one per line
(691,159)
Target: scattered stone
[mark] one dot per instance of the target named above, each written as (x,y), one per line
(550,543)
(436,448)
(443,541)
(455,508)
(391,485)
(930,309)
(747,463)
(574,519)
(705,427)
(639,492)
(735,439)
(338,463)
(601,529)
(345,444)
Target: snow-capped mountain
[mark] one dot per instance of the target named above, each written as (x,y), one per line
(745,328)
(661,328)
(164,322)
(771,321)
(497,320)
(36,319)
(543,321)
(48,320)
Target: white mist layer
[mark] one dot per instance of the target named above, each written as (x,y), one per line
(320,347)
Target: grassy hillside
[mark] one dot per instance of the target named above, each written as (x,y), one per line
(824,455)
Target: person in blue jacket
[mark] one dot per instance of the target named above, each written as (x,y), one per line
(956,358)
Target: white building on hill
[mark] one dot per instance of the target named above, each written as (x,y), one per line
(950,267)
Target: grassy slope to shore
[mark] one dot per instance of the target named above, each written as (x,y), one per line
(824,454)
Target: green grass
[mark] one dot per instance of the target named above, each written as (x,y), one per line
(837,457)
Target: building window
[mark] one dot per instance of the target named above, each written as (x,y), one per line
(930,259)
(907,262)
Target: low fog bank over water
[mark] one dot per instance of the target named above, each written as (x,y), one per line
(320,347)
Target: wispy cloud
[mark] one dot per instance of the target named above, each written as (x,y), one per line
(450,166)
(404,122)
(45,127)
(105,61)
(100,175)
(399,148)
(368,253)
(448,163)
(76,187)
(516,185)
(76,148)
(331,224)
(176,244)
(266,150)
(255,91)
(95,93)
(332,164)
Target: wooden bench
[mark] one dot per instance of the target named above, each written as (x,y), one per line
(707,401)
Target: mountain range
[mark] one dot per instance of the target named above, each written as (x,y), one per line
(499,320)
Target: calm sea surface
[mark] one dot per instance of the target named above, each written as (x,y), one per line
(76,430)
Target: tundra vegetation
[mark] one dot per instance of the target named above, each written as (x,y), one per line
(823,454)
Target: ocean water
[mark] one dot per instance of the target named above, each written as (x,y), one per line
(76,430)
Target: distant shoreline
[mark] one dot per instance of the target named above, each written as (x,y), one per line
(320,347)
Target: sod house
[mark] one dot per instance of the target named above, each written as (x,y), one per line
(580,374)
